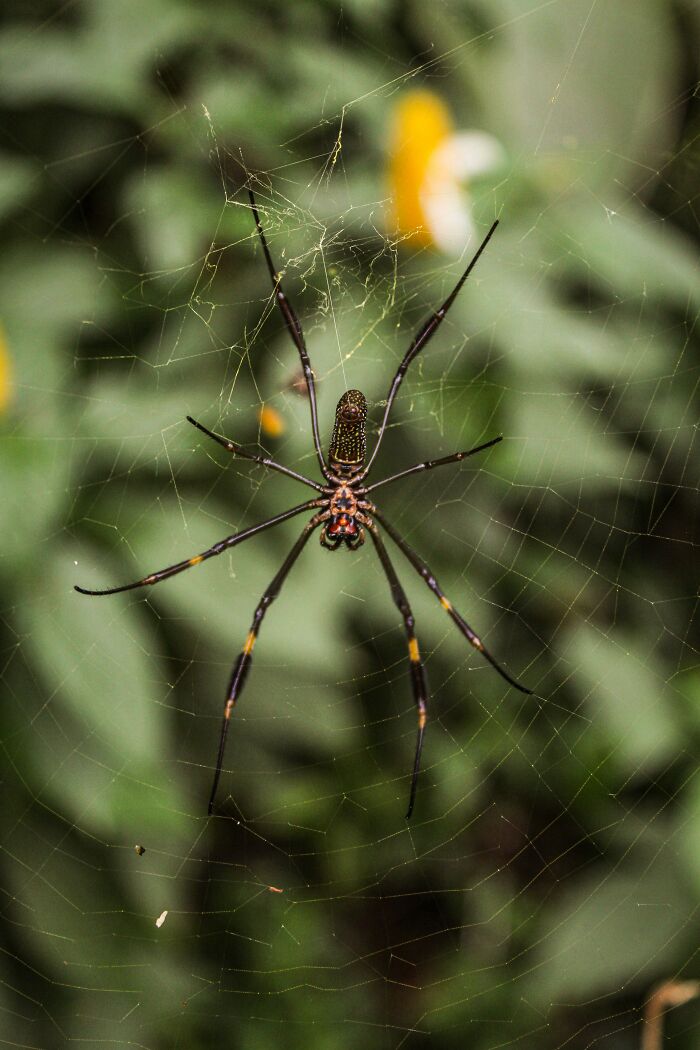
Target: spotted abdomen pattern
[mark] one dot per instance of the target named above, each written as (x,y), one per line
(348,446)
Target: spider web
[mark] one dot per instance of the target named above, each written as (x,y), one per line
(549,875)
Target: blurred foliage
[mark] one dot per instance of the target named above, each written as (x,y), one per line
(550,873)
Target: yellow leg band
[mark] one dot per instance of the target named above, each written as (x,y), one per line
(446,603)
(249,643)
(196,560)
(413,650)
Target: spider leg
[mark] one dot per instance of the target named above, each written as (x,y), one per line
(242,665)
(236,449)
(419,682)
(218,548)
(294,328)
(428,330)
(429,464)
(422,569)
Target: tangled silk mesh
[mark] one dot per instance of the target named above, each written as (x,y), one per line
(548,877)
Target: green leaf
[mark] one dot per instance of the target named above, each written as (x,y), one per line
(628,253)
(557,440)
(98,660)
(18,180)
(35,480)
(105,63)
(605,116)
(615,929)
(179,214)
(626,697)
(44,299)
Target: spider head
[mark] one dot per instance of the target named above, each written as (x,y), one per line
(348,445)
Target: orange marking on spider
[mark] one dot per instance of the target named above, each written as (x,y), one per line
(271,422)
(413,650)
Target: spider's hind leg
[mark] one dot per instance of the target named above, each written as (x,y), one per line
(419,681)
(424,572)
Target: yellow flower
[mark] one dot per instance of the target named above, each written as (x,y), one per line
(429,168)
(5,379)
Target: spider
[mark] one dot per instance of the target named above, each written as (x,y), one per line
(342,510)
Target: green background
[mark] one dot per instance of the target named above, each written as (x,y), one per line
(551,872)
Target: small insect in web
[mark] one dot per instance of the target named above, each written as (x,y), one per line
(342,510)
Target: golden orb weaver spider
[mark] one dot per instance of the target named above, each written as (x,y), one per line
(343,511)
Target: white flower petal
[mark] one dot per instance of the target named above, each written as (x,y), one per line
(448,216)
(468,154)
(444,199)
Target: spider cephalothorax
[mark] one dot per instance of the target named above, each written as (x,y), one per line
(343,513)
(348,515)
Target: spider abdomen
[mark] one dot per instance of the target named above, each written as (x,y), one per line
(348,446)
(342,526)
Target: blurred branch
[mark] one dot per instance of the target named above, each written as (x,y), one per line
(664,996)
